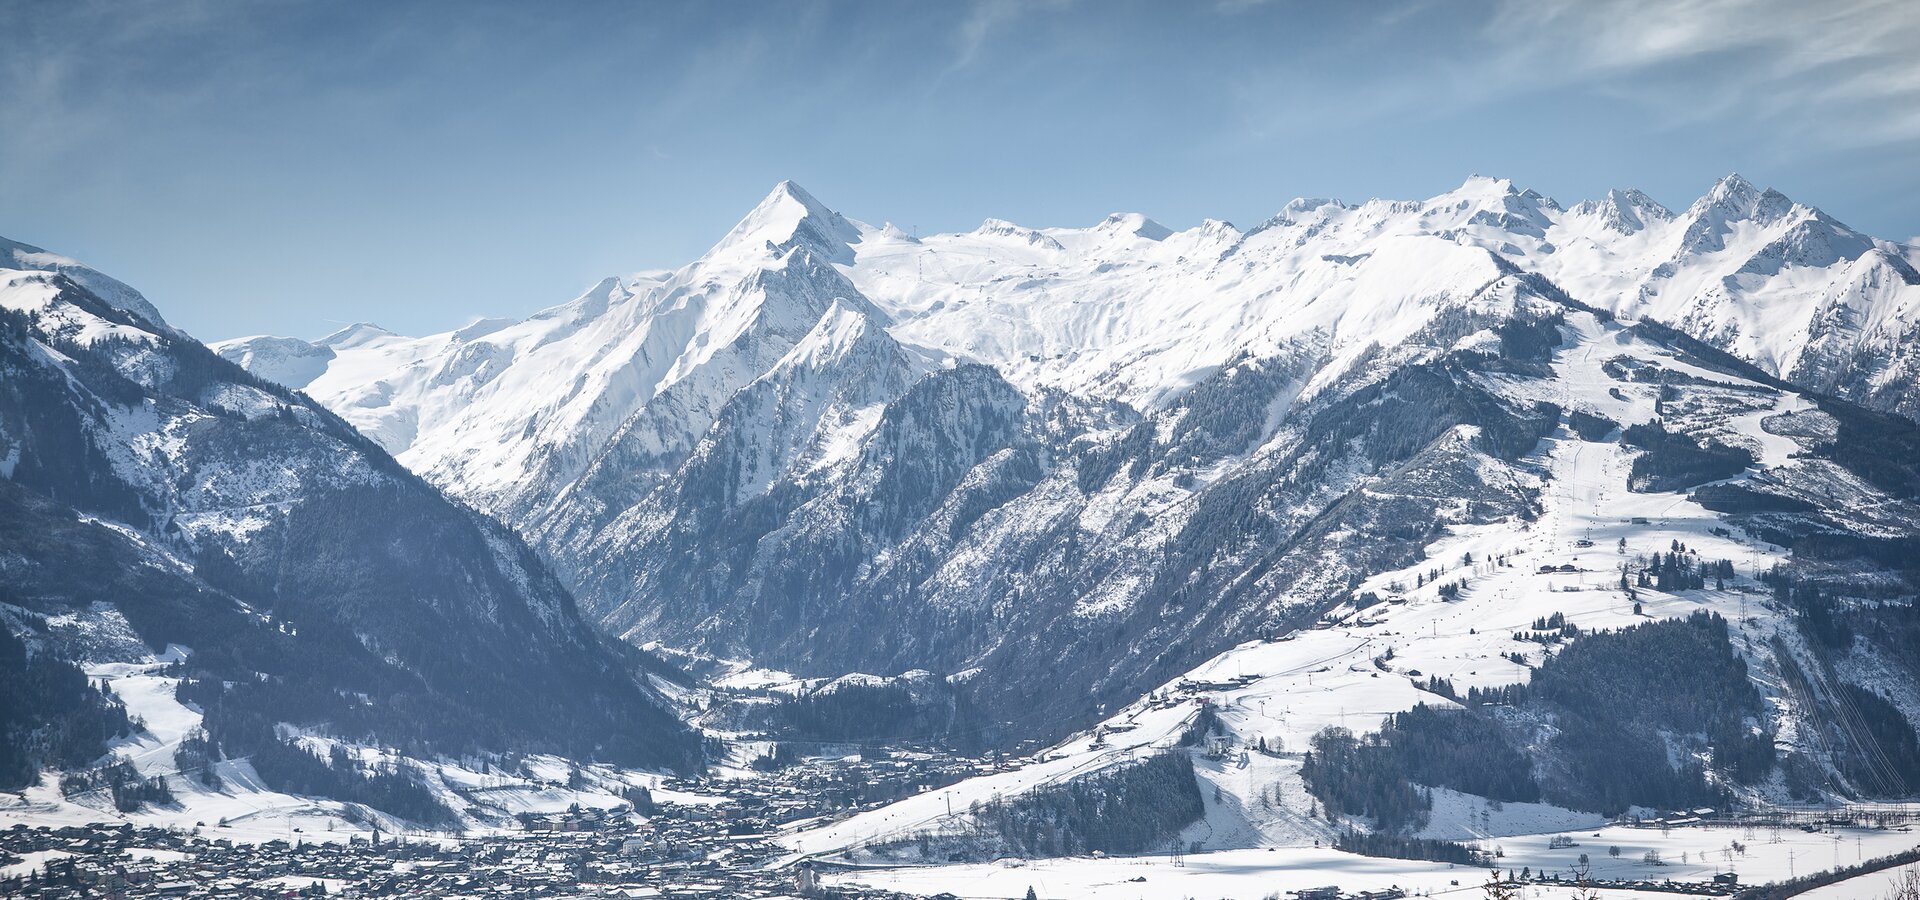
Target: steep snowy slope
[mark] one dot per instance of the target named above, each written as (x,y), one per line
(507,414)
(316,584)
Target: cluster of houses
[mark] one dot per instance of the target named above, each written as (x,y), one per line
(1333,892)
(711,847)
(623,858)
(842,786)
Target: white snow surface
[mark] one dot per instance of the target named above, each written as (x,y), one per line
(488,405)
(1688,854)
(25,257)
(1871,886)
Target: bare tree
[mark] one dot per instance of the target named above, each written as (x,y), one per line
(1907,885)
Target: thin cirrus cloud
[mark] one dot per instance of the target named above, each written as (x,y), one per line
(1840,73)
(984,18)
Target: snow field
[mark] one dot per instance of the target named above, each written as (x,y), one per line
(1688,854)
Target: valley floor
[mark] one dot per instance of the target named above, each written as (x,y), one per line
(1688,854)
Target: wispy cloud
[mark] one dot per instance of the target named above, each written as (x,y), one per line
(1794,80)
(53,55)
(985,17)
(1840,73)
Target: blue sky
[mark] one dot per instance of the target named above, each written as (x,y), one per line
(285,167)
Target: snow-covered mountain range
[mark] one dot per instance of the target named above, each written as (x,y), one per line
(1067,478)
(829,445)
(1126,309)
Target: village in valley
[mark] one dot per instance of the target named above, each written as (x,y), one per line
(720,847)
(734,841)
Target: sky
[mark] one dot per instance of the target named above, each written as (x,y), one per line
(289,167)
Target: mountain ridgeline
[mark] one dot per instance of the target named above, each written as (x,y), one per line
(1062,466)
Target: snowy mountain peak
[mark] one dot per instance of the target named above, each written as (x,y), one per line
(288,361)
(1491,202)
(894,232)
(1773,206)
(359,334)
(1005,229)
(1134,224)
(1301,211)
(1634,198)
(15,255)
(1486,191)
(1712,219)
(1627,211)
(790,217)
(787,192)
(1733,183)
(1732,195)
(609,286)
(1483,186)
(1642,209)
(1304,209)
